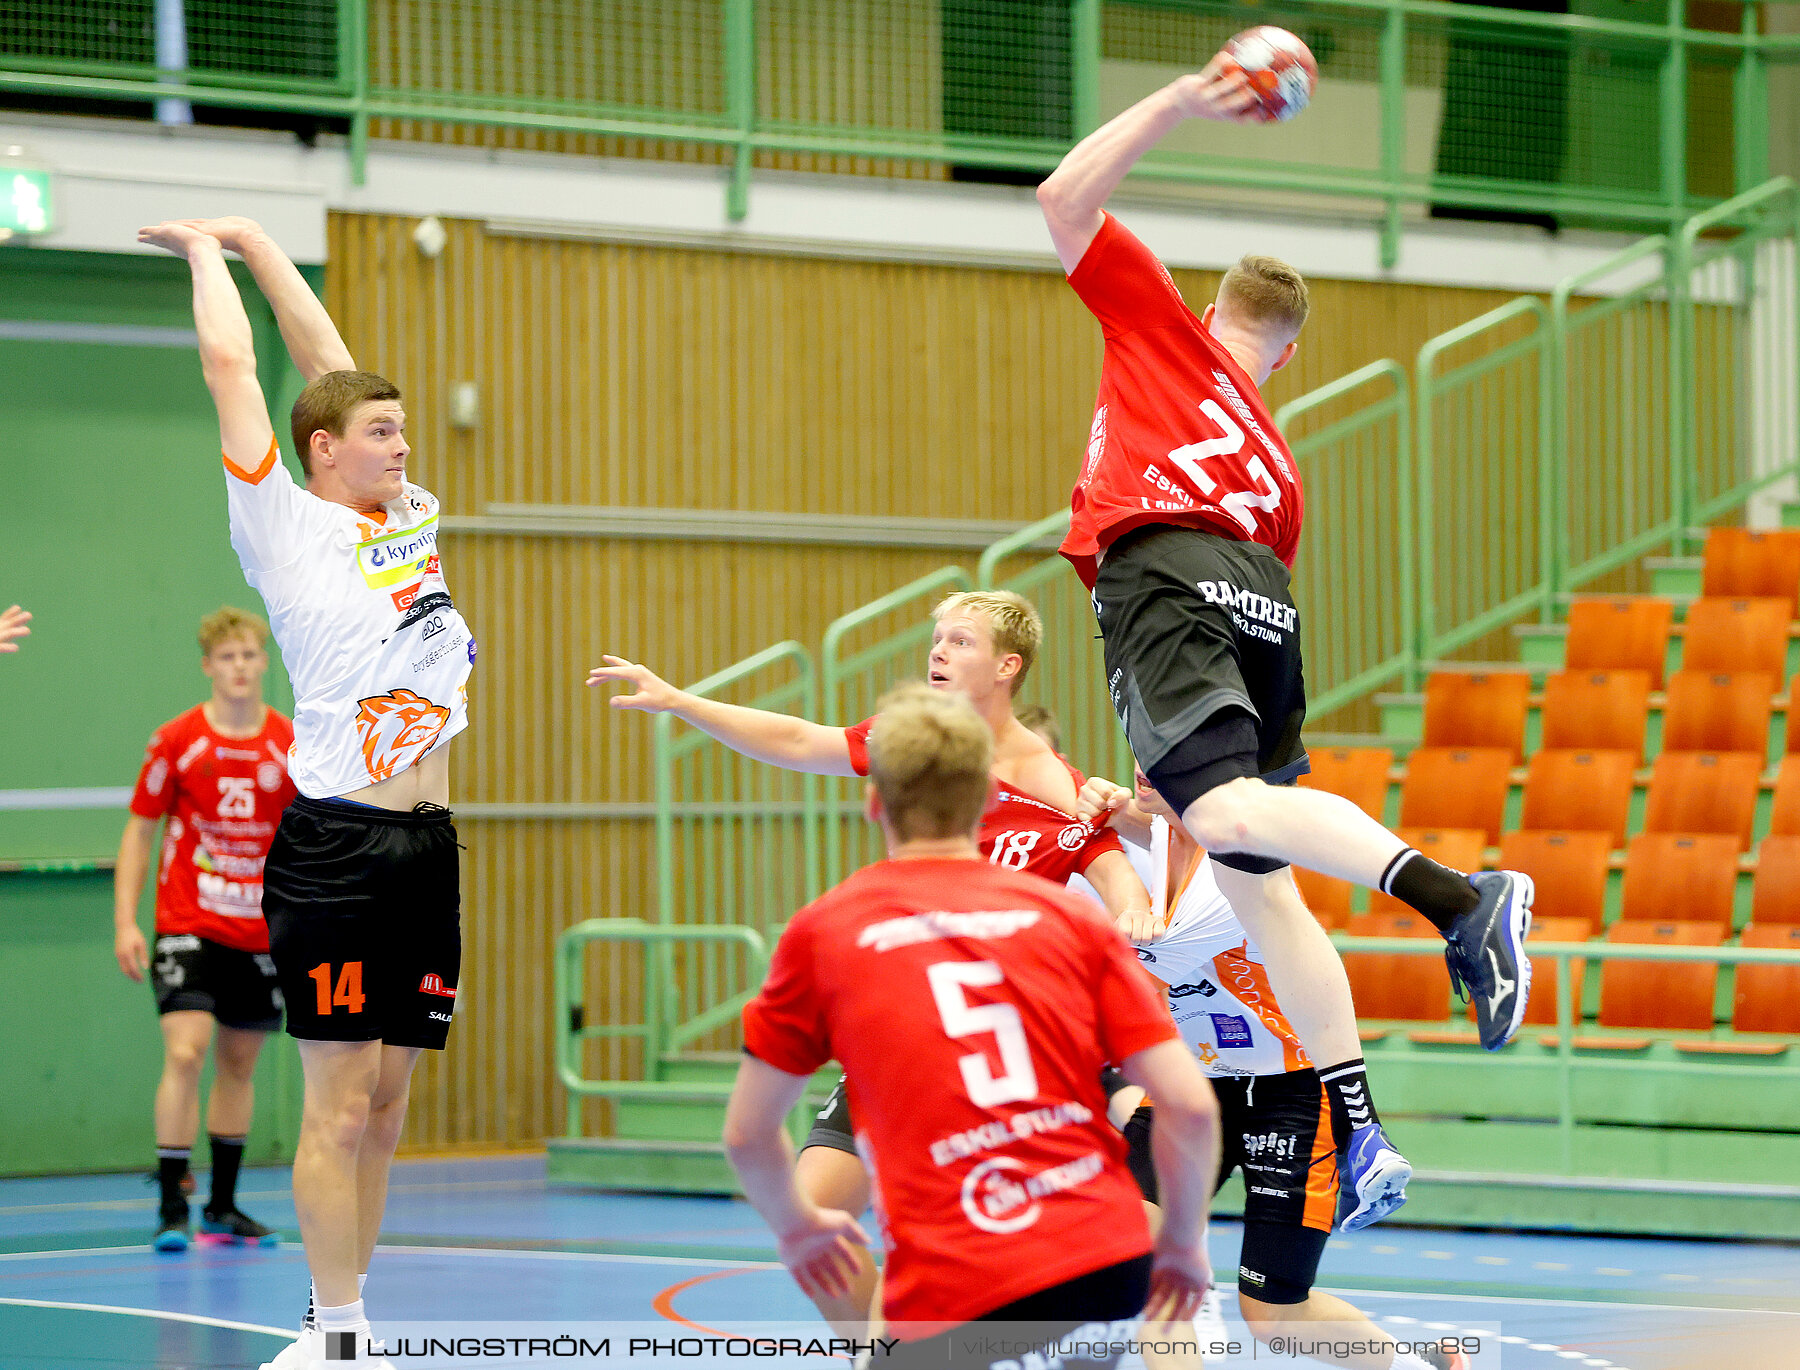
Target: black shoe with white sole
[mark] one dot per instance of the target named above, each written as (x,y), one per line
(1486,954)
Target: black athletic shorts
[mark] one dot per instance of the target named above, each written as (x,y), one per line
(1277,1130)
(832,1126)
(239,988)
(1102,1304)
(364,909)
(1195,626)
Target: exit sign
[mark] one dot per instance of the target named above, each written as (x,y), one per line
(24,200)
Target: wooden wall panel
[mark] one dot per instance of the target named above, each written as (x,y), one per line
(639,375)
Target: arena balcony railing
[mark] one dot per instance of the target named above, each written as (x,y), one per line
(1424,107)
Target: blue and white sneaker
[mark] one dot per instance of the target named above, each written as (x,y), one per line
(1374,1178)
(1486,954)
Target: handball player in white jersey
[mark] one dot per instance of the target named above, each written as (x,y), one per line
(361,885)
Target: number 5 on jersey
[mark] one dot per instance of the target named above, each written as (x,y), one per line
(347,994)
(1018,1077)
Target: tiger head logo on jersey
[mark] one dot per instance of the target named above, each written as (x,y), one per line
(396,729)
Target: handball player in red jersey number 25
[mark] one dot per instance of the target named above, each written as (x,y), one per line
(1185,519)
(361,888)
(972,1008)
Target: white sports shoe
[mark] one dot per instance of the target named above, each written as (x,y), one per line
(303,1353)
(1209,1322)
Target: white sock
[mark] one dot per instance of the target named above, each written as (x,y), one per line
(348,1317)
(361,1280)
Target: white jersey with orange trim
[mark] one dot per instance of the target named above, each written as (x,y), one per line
(1218,989)
(377,652)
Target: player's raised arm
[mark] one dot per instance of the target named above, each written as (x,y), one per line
(795,744)
(312,338)
(227,347)
(1073,195)
(1116,882)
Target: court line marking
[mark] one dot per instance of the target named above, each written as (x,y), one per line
(617,1258)
(285,1333)
(1352,1294)
(70,1251)
(279,1195)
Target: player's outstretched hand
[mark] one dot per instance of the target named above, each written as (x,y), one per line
(12,625)
(1217,93)
(232,231)
(177,236)
(1100,799)
(1139,925)
(1179,1279)
(134,956)
(649,691)
(821,1253)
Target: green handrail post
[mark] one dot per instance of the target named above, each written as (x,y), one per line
(1750,107)
(353,48)
(1672,93)
(740,100)
(987,571)
(1393,125)
(1565,1062)
(1084,65)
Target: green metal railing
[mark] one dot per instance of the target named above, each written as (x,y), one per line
(1567,1060)
(1570,116)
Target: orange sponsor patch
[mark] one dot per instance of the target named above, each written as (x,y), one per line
(396,729)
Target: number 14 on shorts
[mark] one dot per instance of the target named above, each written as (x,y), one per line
(346,992)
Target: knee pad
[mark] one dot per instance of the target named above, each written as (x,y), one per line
(1279,1261)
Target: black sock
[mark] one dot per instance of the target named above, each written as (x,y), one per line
(227,1155)
(1441,894)
(1347,1089)
(171,1170)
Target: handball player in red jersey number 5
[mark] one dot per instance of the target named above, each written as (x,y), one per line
(1185,520)
(972,1008)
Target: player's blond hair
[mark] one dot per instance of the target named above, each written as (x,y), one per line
(1041,721)
(1014,622)
(929,756)
(328,402)
(1267,292)
(227,622)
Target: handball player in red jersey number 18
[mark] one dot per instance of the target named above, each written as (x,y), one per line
(972,1008)
(361,887)
(1185,519)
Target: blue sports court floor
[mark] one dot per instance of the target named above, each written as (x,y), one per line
(479,1240)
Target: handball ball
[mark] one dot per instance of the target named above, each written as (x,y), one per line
(1279,68)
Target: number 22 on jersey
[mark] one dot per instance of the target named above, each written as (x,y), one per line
(1018,1077)
(1237,503)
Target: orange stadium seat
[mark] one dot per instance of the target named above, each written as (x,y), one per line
(1477,709)
(1359,774)
(1630,634)
(1784,814)
(1737,635)
(1393,985)
(1569,870)
(1704,792)
(1597,711)
(1460,849)
(1660,994)
(1579,792)
(1456,787)
(1680,877)
(1712,712)
(1776,898)
(1328,899)
(1743,561)
(1768,997)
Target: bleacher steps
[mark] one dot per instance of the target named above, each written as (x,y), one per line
(673,1167)
(1673,575)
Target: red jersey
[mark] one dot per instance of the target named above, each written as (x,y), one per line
(972,1009)
(223,797)
(1180,433)
(1019,832)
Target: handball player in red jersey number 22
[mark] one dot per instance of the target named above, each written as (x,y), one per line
(972,1008)
(1184,521)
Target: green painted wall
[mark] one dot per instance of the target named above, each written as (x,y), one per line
(113,533)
